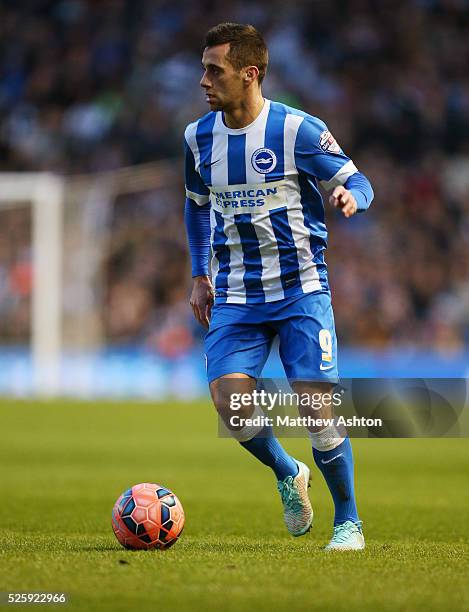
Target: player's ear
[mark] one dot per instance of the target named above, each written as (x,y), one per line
(250,74)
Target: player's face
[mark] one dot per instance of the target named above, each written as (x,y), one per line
(223,85)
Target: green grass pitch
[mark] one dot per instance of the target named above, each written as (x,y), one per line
(63,464)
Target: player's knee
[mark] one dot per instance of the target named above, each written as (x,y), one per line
(226,393)
(220,397)
(242,419)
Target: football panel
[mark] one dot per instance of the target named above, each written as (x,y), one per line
(128,508)
(165,514)
(154,513)
(152,530)
(161,492)
(144,498)
(139,514)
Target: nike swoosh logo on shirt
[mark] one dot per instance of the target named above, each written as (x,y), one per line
(208,164)
(323,367)
(329,460)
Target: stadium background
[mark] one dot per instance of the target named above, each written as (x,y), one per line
(91,87)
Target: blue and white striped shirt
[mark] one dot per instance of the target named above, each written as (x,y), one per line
(267,230)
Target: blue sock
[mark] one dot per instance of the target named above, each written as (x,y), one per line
(337,468)
(268,449)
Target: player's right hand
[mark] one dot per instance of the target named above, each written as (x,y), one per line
(202,299)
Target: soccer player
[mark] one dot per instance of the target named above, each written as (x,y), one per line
(252,168)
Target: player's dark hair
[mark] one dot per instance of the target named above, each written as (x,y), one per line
(247,47)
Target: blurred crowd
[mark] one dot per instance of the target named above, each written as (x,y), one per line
(87,86)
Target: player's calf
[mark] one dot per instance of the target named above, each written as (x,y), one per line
(258,439)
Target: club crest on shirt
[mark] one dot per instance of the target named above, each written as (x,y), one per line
(263,160)
(328,143)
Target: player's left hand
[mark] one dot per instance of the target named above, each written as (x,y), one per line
(343,198)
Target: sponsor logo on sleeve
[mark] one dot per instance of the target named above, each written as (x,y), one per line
(328,143)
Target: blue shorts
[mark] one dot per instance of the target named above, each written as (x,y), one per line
(240,337)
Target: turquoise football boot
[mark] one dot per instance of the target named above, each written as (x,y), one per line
(347,536)
(298,513)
